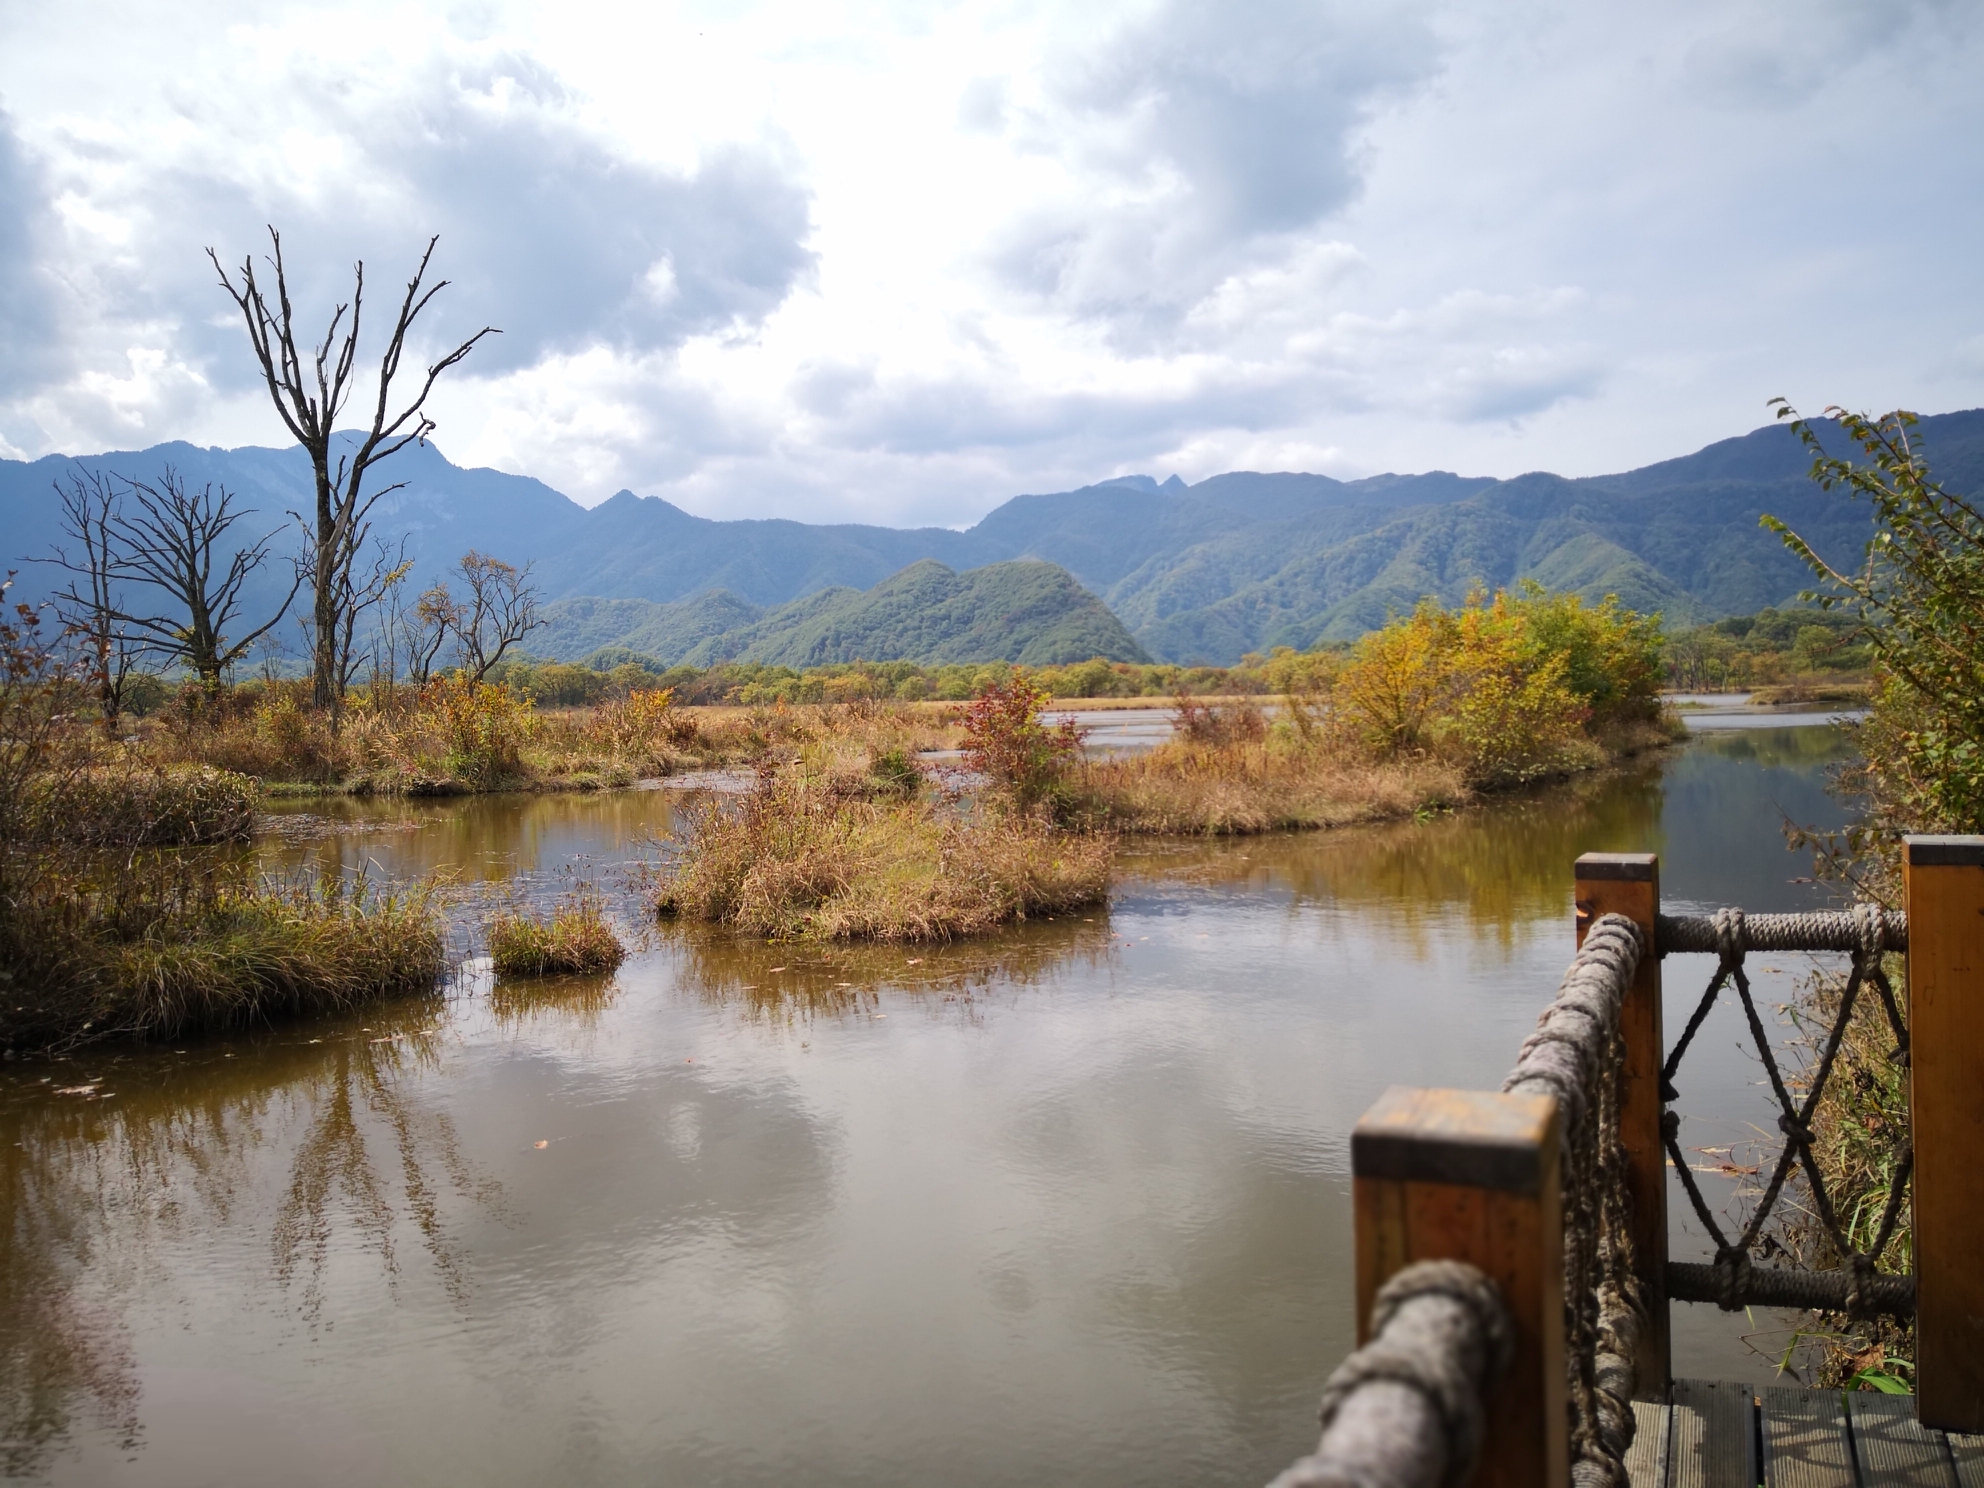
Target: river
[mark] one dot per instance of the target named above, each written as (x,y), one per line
(1069,1206)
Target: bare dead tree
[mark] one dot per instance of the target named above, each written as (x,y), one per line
(499,610)
(342,503)
(417,632)
(359,593)
(87,604)
(170,543)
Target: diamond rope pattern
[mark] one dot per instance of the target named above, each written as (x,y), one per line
(1869,935)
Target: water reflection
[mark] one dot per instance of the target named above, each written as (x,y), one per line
(1070,1204)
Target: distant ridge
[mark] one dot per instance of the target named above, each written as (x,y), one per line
(1236,563)
(1025,611)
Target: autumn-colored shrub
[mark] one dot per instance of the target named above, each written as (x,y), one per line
(1509,687)
(1005,739)
(485,726)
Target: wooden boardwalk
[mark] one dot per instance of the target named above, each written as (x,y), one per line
(1717,1434)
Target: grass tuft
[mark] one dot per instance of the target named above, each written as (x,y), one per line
(576,940)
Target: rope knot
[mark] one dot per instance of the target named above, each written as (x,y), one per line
(1732,1278)
(1870,929)
(1859,1298)
(1729,939)
(1670,1125)
(1794,1130)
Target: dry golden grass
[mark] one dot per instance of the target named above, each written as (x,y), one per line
(404,744)
(817,855)
(139,806)
(1257,786)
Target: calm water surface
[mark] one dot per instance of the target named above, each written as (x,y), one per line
(1066,1207)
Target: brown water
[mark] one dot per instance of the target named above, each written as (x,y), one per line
(1068,1206)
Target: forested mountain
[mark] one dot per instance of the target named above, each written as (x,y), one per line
(1025,611)
(1203,572)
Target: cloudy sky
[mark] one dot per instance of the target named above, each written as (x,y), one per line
(897,261)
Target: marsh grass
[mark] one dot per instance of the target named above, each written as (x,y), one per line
(819,851)
(139,806)
(455,738)
(575,939)
(1251,785)
(157,944)
(1861,1129)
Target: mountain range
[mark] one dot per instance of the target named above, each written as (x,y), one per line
(1200,572)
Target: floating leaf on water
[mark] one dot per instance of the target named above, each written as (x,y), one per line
(542,1145)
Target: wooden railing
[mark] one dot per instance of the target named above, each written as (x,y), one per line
(1475,1177)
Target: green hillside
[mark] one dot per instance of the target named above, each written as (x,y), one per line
(1025,611)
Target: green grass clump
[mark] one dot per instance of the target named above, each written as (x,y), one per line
(798,858)
(155,946)
(575,940)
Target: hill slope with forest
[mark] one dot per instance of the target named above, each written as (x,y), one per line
(1196,573)
(1027,611)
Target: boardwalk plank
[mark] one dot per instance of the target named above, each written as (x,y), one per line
(1805,1440)
(1968,1453)
(1646,1459)
(1712,1436)
(1894,1450)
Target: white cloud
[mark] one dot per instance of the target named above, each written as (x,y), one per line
(898,261)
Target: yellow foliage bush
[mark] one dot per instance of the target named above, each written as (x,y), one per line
(1508,688)
(485,726)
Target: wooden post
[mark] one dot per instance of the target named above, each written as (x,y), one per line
(1471,1176)
(1629,884)
(1943,880)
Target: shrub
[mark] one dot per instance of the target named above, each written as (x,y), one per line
(575,941)
(1217,724)
(484,726)
(1918,600)
(641,722)
(1005,739)
(1503,687)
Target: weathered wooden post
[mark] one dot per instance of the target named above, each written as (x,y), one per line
(1473,1176)
(1629,884)
(1943,879)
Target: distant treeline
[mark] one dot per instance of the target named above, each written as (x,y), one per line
(609,673)
(1769,647)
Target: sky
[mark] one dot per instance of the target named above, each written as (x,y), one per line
(896,262)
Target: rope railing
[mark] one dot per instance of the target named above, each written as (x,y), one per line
(1425,1368)
(1405,1410)
(1477,1207)
(1732,1280)
(1575,1054)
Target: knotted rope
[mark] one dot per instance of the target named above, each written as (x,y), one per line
(1576,1055)
(1405,1410)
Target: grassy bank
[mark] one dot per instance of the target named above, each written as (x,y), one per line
(457,738)
(156,945)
